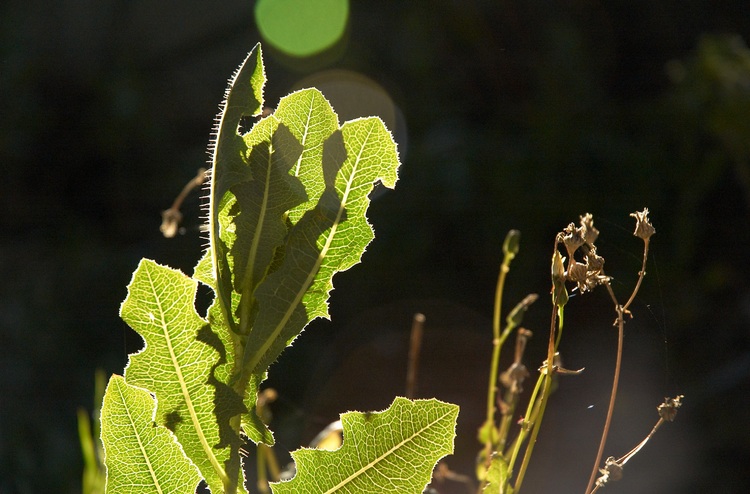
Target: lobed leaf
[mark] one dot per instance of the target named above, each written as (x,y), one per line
(329,238)
(178,365)
(393,451)
(141,457)
(259,209)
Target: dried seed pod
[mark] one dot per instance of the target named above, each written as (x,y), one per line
(590,234)
(668,409)
(643,227)
(572,238)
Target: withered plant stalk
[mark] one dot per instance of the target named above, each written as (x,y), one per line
(644,230)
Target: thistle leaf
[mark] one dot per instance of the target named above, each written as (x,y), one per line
(328,238)
(243,98)
(141,457)
(393,451)
(178,365)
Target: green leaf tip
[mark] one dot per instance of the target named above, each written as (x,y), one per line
(393,451)
(139,456)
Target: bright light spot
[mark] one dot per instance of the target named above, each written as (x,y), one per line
(302,28)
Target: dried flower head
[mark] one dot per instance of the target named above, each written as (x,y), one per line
(612,471)
(594,262)
(589,274)
(514,377)
(643,227)
(577,273)
(668,409)
(170,222)
(559,293)
(572,238)
(590,234)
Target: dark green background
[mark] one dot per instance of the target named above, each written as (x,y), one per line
(519,114)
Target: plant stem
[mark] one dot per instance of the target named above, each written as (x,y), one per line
(612,397)
(547,390)
(621,311)
(641,275)
(497,344)
(415,344)
(531,412)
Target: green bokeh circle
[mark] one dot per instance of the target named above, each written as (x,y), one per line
(302,27)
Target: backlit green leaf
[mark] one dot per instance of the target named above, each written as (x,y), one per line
(329,238)
(393,451)
(244,98)
(178,365)
(310,118)
(498,477)
(140,456)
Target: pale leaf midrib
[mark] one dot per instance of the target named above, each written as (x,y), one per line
(304,137)
(183,387)
(247,288)
(385,455)
(138,437)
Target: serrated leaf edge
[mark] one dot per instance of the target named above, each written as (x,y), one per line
(178,370)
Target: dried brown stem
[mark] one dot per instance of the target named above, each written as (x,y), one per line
(415,345)
(171,218)
(621,311)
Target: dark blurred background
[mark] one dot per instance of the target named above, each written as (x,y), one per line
(508,114)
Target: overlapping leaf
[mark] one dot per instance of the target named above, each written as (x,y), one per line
(259,210)
(244,98)
(288,208)
(329,238)
(139,456)
(393,451)
(254,428)
(177,365)
(310,118)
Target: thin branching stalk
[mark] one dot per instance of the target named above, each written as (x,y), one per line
(613,467)
(172,217)
(510,249)
(612,397)
(621,311)
(641,275)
